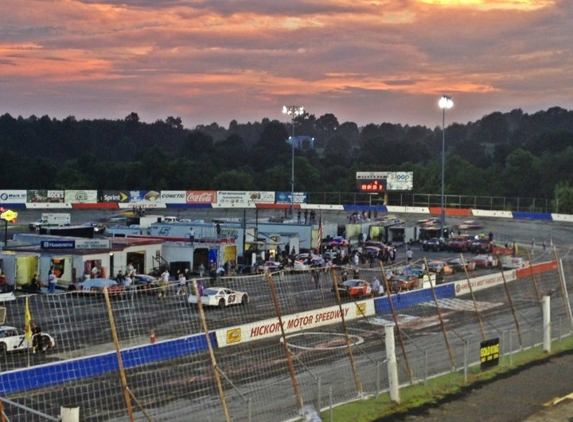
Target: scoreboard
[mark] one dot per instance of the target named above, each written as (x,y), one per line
(382,181)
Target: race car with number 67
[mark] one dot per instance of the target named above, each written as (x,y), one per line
(219,297)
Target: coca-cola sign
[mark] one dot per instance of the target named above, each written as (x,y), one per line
(201,196)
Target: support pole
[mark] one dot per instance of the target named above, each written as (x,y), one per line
(392,364)
(547,324)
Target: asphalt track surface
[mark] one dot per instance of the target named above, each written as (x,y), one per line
(516,387)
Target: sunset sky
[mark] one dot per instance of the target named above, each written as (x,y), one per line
(208,61)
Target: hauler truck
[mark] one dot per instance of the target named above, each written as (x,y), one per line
(51,220)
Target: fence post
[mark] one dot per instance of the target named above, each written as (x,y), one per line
(546,324)
(392,364)
(70,413)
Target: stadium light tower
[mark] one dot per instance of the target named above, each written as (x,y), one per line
(444,103)
(294,112)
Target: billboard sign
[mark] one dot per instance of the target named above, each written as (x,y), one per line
(395,181)
(201,197)
(43,195)
(285,198)
(244,198)
(12,196)
(80,196)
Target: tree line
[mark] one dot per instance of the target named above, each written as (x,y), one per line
(511,154)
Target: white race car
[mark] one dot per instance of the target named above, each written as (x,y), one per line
(220,297)
(13,339)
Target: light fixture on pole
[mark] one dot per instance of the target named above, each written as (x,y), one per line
(294,112)
(444,103)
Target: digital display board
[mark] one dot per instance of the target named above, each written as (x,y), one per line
(371,185)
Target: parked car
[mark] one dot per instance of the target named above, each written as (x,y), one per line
(434,244)
(220,297)
(355,288)
(312,259)
(485,261)
(144,282)
(272,266)
(402,283)
(96,286)
(440,267)
(13,339)
(98,227)
(460,243)
(458,265)
(300,265)
(481,245)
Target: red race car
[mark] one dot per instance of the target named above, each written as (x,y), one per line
(355,288)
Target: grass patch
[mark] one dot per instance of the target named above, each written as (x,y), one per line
(418,398)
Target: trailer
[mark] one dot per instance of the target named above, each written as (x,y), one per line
(50,219)
(401,235)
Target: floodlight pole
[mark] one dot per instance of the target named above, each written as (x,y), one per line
(292,111)
(444,103)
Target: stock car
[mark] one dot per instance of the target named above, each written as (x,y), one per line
(312,259)
(13,339)
(458,265)
(219,297)
(355,288)
(96,286)
(470,225)
(272,266)
(440,267)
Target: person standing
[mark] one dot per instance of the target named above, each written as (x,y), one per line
(164,283)
(130,269)
(409,255)
(182,284)
(375,286)
(201,270)
(191,236)
(52,282)
(128,284)
(36,336)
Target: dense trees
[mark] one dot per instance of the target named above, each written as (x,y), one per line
(511,154)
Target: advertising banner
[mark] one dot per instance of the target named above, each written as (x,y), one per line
(201,197)
(242,199)
(45,196)
(173,197)
(293,323)
(80,196)
(285,198)
(114,196)
(12,196)
(489,353)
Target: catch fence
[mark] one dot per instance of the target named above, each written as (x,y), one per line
(297,342)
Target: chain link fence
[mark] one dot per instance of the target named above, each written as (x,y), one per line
(298,342)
